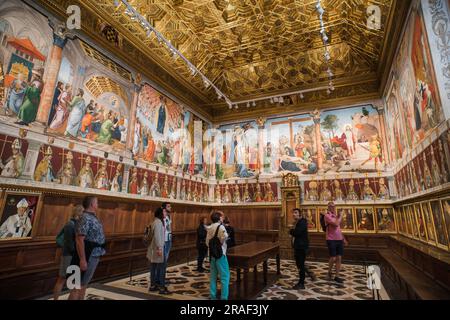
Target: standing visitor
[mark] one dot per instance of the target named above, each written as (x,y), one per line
(300,243)
(167,235)
(90,245)
(219,265)
(231,242)
(202,248)
(335,241)
(68,249)
(155,253)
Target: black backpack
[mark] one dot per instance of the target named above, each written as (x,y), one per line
(215,247)
(323,223)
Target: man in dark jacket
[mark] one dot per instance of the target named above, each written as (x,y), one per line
(300,243)
(202,248)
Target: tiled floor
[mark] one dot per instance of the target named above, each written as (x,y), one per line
(187,284)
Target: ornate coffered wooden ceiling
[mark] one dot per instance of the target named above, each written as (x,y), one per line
(257,48)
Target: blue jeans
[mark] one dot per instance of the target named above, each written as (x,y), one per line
(167,246)
(157,276)
(219,267)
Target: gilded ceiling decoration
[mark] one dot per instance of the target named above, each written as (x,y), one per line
(256,48)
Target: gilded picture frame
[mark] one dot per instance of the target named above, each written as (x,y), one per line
(19,212)
(365,220)
(429,223)
(385,220)
(311,216)
(420,223)
(321,210)
(442,238)
(445,205)
(348,219)
(409,211)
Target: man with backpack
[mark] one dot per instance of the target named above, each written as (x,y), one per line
(216,240)
(331,224)
(66,240)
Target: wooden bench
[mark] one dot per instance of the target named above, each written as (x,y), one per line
(403,281)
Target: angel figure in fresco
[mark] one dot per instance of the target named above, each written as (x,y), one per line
(101,180)
(77,110)
(368,193)
(62,109)
(338,195)
(17,225)
(165,189)
(269,197)
(155,189)
(44,170)
(312,194)
(352,195)
(13,167)
(325,195)
(144,190)
(217,195)
(116,183)
(85,177)
(383,193)
(183,190)
(133,187)
(67,173)
(236,194)
(246,196)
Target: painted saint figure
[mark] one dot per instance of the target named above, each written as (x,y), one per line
(144,190)
(325,195)
(101,181)
(312,192)
(29,108)
(236,194)
(383,193)
(77,110)
(18,225)
(352,195)
(116,183)
(85,177)
(133,187)
(155,189)
(62,108)
(368,193)
(67,173)
(269,197)
(13,166)
(44,170)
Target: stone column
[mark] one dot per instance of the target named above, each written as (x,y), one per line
(31,158)
(261,125)
(132,120)
(50,78)
(379,106)
(126,178)
(316,119)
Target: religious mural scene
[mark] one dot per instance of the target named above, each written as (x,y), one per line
(290,150)
(413,105)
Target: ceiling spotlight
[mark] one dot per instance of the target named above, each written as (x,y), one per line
(230,106)
(325,38)
(254,104)
(193,71)
(248,104)
(281,100)
(328,91)
(301,96)
(331,86)
(206,83)
(271,100)
(275,99)
(327,56)
(149,32)
(236,106)
(330,73)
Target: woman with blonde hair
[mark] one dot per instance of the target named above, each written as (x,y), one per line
(66,241)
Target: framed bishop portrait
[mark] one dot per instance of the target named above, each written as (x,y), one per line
(18,214)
